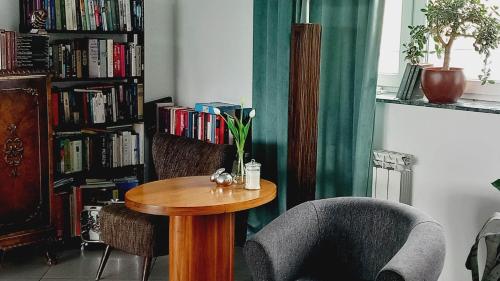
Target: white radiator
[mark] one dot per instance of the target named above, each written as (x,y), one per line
(392,176)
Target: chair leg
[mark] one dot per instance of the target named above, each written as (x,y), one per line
(104,259)
(147,268)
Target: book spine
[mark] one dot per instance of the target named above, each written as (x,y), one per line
(93,53)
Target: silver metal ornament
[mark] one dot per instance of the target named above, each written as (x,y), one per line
(224,179)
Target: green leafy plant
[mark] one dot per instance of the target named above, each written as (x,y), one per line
(239,130)
(448,20)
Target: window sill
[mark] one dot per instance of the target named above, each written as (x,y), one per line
(462,104)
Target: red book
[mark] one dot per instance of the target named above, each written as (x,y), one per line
(55,109)
(116,60)
(178,118)
(185,128)
(221,130)
(58,209)
(8,50)
(98,17)
(77,193)
(122,60)
(200,126)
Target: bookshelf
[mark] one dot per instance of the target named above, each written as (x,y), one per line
(96,55)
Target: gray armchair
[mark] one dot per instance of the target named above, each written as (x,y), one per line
(348,239)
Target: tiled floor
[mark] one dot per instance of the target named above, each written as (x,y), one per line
(76,265)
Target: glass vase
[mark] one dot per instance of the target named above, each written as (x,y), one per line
(239,168)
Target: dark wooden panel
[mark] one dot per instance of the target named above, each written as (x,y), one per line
(303,112)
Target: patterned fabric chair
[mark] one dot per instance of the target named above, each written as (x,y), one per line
(355,239)
(147,235)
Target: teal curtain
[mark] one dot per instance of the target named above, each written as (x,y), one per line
(351,31)
(271,64)
(349,58)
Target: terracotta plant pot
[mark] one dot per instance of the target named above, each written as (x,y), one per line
(443,86)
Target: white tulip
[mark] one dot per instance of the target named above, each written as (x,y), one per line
(252,113)
(217,111)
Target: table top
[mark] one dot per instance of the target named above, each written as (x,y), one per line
(192,196)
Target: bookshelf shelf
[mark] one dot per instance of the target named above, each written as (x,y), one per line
(98,32)
(102,79)
(76,128)
(123,170)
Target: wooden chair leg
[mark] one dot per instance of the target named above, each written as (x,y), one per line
(147,268)
(104,259)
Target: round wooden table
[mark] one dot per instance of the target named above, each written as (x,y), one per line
(201,234)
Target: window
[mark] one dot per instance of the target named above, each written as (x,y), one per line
(398,14)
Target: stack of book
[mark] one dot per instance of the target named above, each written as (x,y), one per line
(7,50)
(83,15)
(199,122)
(32,51)
(97,104)
(95,58)
(93,150)
(410,88)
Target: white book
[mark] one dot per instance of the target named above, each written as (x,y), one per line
(133,150)
(93,53)
(104,18)
(128,16)
(103,58)
(92,15)
(68,14)
(120,150)
(109,52)
(133,59)
(120,15)
(98,106)
(74,24)
(139,130)
(126,151)
(77,155)
(114,142)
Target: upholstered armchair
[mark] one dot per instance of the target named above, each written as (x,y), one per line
(354,239)
(147,235)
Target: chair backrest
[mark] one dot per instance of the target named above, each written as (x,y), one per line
(362,234)
(175,156)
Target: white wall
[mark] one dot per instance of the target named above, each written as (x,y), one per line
(458,156)
(214,51)
(9,14)
(160,23)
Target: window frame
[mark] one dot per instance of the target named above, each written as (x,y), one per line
(411,15)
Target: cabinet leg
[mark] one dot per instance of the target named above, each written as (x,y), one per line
(50,255)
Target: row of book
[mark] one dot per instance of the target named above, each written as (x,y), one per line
(93,150)
(32,51)
(98,104)
(84,15)
(8,50)
(72,205)
(199,122)
(410,88)
(95,58)
(23,51)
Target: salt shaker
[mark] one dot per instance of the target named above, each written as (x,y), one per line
(252,169)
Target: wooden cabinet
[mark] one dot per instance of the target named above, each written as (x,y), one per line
(25,161)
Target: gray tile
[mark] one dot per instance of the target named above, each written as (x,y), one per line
(23,266)
(76,265)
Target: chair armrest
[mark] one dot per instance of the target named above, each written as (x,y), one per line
(279,251)
(420,258)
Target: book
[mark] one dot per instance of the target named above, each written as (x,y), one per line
(411,80)
(93,53)
(209,107)
(404,81)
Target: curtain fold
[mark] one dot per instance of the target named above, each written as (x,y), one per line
(271,64)
(349,58)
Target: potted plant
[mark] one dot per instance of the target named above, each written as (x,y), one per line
(448,20)
(239,129)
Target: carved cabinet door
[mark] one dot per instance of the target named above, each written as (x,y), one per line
(21,195)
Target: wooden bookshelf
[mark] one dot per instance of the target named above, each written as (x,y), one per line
(128,36)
